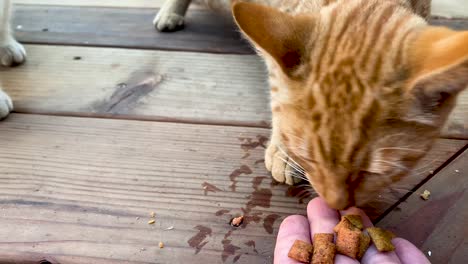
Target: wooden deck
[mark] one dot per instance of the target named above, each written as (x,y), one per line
(114,121)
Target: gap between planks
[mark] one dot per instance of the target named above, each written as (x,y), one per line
(183,87)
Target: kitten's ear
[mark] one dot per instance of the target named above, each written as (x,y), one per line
(277,34)
(440,57)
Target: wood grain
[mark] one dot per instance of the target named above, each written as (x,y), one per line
(205,31)
(216,89)
(439,224)
(175,86)
(95,3)
(83,189)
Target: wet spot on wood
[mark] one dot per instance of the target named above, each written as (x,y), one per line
(257,181)
(246,155)
(207,187)
(259,161)
(197,241)
(228,248)
(269,221)
(261,198)
(300,192)
(251,244)
(222,212)
(77,58)
(249,143)
(244,169)
(126,97)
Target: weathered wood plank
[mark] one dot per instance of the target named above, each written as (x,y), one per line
(205,31)
(95,3)
(82,189)
(180,86)
(439,224)
(153,85)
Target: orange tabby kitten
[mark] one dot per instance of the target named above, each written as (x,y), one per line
(359,89)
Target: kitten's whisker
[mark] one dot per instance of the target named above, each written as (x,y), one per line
(401,148)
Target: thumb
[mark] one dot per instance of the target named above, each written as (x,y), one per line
(409,253)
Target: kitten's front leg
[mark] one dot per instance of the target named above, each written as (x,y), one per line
(11,52)
(171,16)
(276,159)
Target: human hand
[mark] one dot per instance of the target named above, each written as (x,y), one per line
(322,219)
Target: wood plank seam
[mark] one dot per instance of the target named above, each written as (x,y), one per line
(424,181)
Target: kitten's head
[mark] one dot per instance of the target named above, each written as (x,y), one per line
(360,90)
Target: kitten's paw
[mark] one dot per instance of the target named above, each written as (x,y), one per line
(5,105)
(12,53)
(168,21)
(276,161)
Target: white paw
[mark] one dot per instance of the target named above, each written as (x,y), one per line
(276,161)
(165,21)
(12,53)
(5,105)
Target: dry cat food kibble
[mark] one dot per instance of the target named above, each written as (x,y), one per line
(425,195)
(324,249)
(237,221)
(381,238)
(350,241)
(301,251)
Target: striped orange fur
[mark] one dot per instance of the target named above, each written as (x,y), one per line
(359,89)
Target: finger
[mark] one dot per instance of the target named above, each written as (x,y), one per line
(321,217)
(409,253)
(356,211)
(373,256)
(292,228)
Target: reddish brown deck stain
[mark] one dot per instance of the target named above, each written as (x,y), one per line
(269,221)
(197,241)
(259,161)
(251,243)
(207,187)
(244,169)
(250,144)
(300,192)
(228,248)
(257,181)
(246,155)
(222,212)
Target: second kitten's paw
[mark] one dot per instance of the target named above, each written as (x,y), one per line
(12,53)
(165,21)
(276,161)
(5,105)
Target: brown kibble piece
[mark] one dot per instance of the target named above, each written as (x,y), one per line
(344,223)
(152,214)
(355,220)
(381,238)
(237,221)
(348,241)
(320,237)
(425,195)
(324,249)
(364,243)
(151,222)
(161,244)
(301,251)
